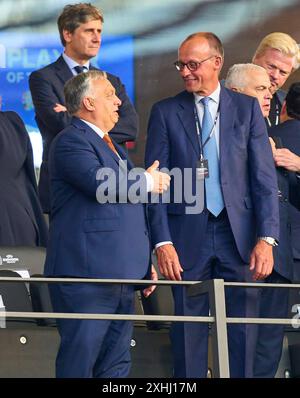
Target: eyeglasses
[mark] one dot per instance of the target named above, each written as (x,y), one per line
(191,65)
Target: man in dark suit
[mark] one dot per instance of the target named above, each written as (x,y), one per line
(279,54)
(80,28)
(253,80)
(210,127)
(98,229)
(22,222)
(288,158)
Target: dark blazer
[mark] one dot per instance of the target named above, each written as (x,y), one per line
(283,255)
(22,222)
(90,239)
(289,133)
(247,172)
(46,86)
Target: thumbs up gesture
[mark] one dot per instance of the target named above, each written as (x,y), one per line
(161,181)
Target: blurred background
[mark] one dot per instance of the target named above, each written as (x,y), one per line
(140,43)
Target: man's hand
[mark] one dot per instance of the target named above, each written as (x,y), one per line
(287,159)
(261,260)
(161,181)
(150,289)
(59,108)
(168,262)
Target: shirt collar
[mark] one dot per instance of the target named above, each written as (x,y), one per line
(215,95)
(71,63)
(94,127)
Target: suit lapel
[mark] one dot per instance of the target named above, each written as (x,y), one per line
(187,118)
(62,70)
(227,118)
(99,144)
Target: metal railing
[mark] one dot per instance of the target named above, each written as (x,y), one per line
(215,289)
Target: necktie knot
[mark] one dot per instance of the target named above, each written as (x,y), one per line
(205,101)
(80,69)
(109,142)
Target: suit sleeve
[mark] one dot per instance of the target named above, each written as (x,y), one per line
(157,148)
(127,127)
(263,178)
(44,99)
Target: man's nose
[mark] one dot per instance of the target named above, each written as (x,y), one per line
(275,74)
(118,101)
(97,36)
(269,95)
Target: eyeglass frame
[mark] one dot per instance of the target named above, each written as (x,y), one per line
(198,63)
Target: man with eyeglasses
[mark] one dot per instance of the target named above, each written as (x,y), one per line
(210,128)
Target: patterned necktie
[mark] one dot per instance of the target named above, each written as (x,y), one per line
(214,197)
(109,142)
(80,69)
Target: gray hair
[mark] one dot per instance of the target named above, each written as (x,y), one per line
(79,87)
(237,75)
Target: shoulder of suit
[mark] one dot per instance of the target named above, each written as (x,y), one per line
(48,68)
(281,94)
(175,100)
(13,117)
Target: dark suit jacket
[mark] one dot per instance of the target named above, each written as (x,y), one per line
(247,172)
(46,86)
(21,219)
(289,133)
(90,239)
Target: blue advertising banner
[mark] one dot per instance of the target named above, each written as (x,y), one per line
(22,54)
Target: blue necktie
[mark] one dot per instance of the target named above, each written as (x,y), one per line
(214,197)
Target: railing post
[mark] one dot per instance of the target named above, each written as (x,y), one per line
(216,294)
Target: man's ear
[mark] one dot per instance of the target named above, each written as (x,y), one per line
(237,90)
(88,103)
(218,62)
(67,36)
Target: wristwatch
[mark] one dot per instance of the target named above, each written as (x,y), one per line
(269,240)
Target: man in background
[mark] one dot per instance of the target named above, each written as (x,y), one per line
(288,157)
(80,29)
(273,303)
(279,54)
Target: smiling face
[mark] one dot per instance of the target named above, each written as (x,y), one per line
(84,43)
(204,80)
(278,66)
(103,104)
